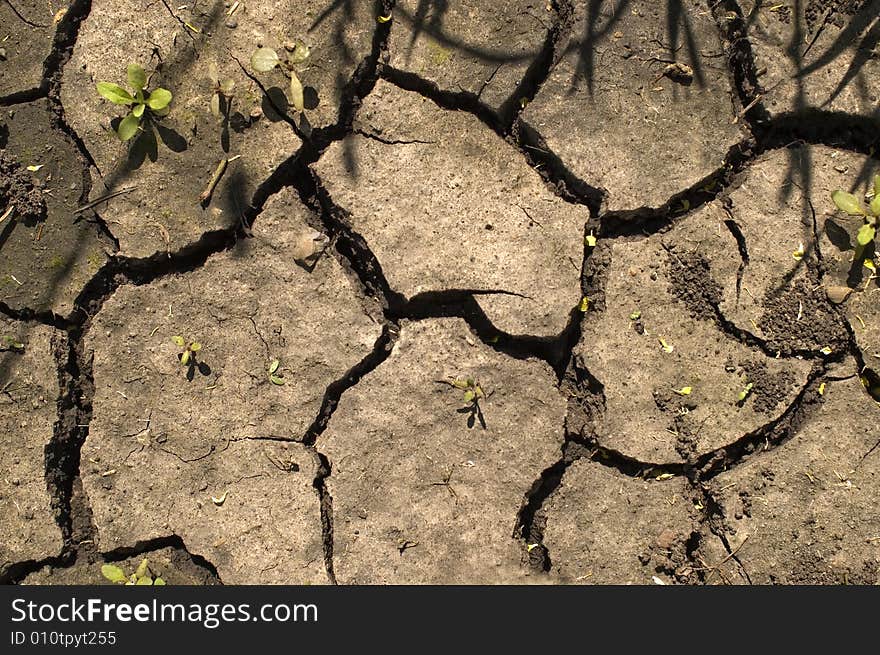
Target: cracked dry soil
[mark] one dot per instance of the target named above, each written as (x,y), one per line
(531,292)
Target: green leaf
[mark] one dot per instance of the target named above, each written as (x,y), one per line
(114,574)
(590,240)
(875,205)
(264,60)
(184,358)
(848,202)
(866,234)
(142,568)
(273,366)
(128,127)
(274,379)
(159,99)
(226,86)
(158,582)
(114,93)
(179,341)
(195,346)
(461,384)
(877,185)
(138,110)
(146,580)
(215,104)
(469,396)
(296,92)
(137,77)
(300,52)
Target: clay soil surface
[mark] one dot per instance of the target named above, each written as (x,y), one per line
(532,292)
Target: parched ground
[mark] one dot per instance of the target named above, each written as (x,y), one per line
(544,292)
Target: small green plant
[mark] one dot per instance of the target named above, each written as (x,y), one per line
(267,59)
(850,204)
(11,344)
(188,355)
(156,101)
(221,91)
(473,394)
(141,576)
(275,375)
(744,394)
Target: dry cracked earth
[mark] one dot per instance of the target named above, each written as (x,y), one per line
(613,218)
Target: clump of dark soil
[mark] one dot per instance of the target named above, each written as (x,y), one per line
(800,318)
(690,280)
(18,191)
(768,389)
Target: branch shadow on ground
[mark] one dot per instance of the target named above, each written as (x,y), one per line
(605,16)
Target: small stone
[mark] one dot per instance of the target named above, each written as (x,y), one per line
(837,294)
(15,482)
(308,248)
(666,539)
(232,23)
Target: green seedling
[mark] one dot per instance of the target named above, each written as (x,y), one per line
(275,376)
(473,394)
(747,390)
(266,59)
(221,91)
(141,576)
(139,101)
(850,204)
(12,344)
(188,355)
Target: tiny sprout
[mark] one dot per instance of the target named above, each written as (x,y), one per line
(189,353)
(590,240)
(274,365)
(745,392)
(826,351)
(850,204)
(12,344)
(156,101)
(798,254)
(684,391)
(473,394)
(383,19)
(266,59)
(141,576)
(822,389)
(635,316)
(221,90)
(666,347)
(584,304)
